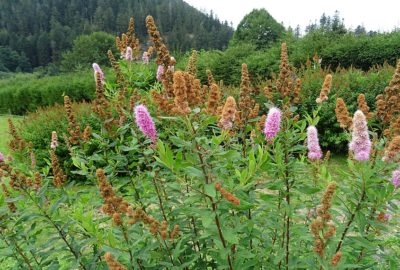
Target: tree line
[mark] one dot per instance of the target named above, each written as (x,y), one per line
(37,32)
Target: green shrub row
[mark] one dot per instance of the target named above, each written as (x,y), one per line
(25,93)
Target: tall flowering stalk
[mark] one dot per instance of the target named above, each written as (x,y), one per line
(160,72)
(97,69)
(314,150)
(145,58)
(396,178)
(1,157)
(228,114)
(360,143)
(54,140)
(128,54)
(145,122)
(272,124)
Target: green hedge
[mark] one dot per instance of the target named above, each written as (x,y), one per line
(25,92)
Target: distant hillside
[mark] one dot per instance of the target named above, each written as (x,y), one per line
(36,32)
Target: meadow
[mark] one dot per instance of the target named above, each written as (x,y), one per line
(163,170)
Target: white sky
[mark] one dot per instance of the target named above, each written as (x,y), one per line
(376,15)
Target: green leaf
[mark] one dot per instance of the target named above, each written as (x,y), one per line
(230,236)
(209,189)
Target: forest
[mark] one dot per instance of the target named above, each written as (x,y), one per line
(35,33)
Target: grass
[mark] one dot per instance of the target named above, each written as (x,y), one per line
(3,134)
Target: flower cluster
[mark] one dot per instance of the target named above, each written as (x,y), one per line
(113,205)
(97,69)
(272,124)
(74,129)
(228,114)
(396,178)
(342,114)
(11,205)
(112,263)
(393,149)
(314,150)
(59,177)
(326,88)
(227,195)
(128,54)
(322,228)
(145,122)
(360,143)
(54,140)
(363,106)
(145,58)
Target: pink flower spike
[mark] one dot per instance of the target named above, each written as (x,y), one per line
(396,178)
(387,216)
(360,143)
(272,124)
(97,69)
(314,150)
(145,122)
(128,54)
(160,71)
(2,158)
(145,58)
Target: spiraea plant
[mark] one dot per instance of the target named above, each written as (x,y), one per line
(191,177)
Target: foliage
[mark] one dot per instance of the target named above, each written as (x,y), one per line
(88,49)
(258,28)
(37,128)
(347,84)
(202,195)
(12,61)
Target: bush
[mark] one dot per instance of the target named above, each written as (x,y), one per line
(347,84)
(203,193)
(37,127)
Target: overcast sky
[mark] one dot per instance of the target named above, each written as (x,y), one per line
(377,15)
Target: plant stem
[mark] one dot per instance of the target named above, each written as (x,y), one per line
(8,245)
(213,204)
(124,233)
(23,255)
(287,198)
(159,199)
(59,230)
(358,207)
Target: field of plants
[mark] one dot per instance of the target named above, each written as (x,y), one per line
(165,167)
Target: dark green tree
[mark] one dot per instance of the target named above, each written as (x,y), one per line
(88,49)
(258,28)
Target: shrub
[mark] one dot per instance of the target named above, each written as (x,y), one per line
(37,127)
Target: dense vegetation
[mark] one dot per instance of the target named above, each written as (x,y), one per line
(212,177)
(37,33)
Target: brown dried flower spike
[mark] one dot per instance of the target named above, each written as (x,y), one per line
(112,263)
(322,227)
(113,205)
(228,114)
(326,88)
(180,92)
(227,195)
(74,129)
(342,114)
(363,106)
